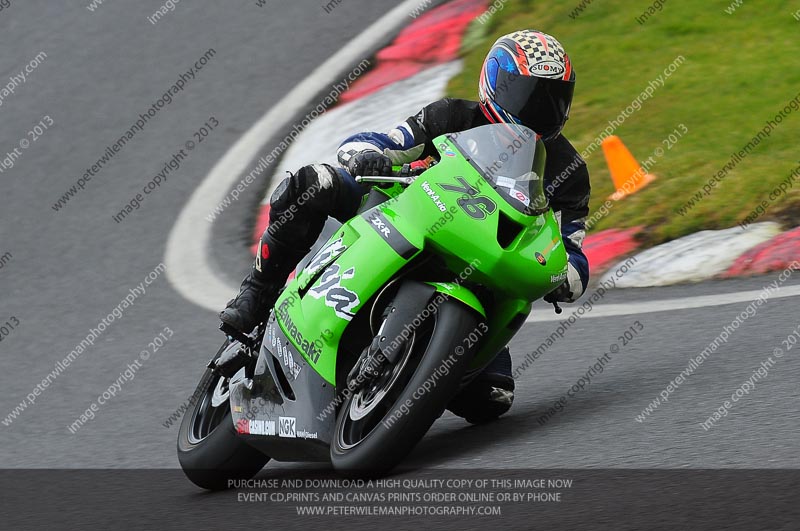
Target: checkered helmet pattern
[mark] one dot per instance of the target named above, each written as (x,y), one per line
(545,57)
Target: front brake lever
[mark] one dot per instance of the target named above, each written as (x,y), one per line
(556,307)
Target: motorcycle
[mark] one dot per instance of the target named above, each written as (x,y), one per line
(402,307)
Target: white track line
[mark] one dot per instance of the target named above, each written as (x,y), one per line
(663,305)
(187,253)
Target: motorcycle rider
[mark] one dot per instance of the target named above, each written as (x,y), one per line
(526,78)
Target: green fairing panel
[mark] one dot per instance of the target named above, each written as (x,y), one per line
(315,309)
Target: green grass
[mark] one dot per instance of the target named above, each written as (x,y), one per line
(740,70)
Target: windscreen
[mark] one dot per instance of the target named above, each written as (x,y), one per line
(511,159)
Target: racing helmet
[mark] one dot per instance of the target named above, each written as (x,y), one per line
(527,79)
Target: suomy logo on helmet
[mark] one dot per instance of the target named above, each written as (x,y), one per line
(547,68)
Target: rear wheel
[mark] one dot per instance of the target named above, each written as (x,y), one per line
(379,424)
(209,451)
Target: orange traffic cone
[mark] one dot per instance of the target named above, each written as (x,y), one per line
(626,173)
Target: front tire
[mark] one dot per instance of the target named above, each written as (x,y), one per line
(209,451)
(372,438)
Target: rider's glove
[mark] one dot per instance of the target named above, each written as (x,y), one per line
(369,163)
(561,294)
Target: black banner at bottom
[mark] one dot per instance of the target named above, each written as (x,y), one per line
(431,499)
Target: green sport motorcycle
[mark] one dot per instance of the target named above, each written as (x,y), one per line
(403,306)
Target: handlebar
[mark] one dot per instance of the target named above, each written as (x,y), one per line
(405,174)
(384,179)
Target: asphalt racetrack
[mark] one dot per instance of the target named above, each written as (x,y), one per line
(72,267)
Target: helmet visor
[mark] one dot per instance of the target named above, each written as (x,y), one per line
(540,103)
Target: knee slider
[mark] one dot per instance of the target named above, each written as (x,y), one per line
(302,202)
(311,187)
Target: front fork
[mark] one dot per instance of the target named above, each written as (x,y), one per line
(389,343)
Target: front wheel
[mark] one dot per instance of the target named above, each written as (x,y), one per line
(209,451)
(380,424)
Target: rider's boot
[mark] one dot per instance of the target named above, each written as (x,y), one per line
(489,395)
(260,288)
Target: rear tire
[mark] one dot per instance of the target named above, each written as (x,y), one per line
(377,440)
(209,450)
